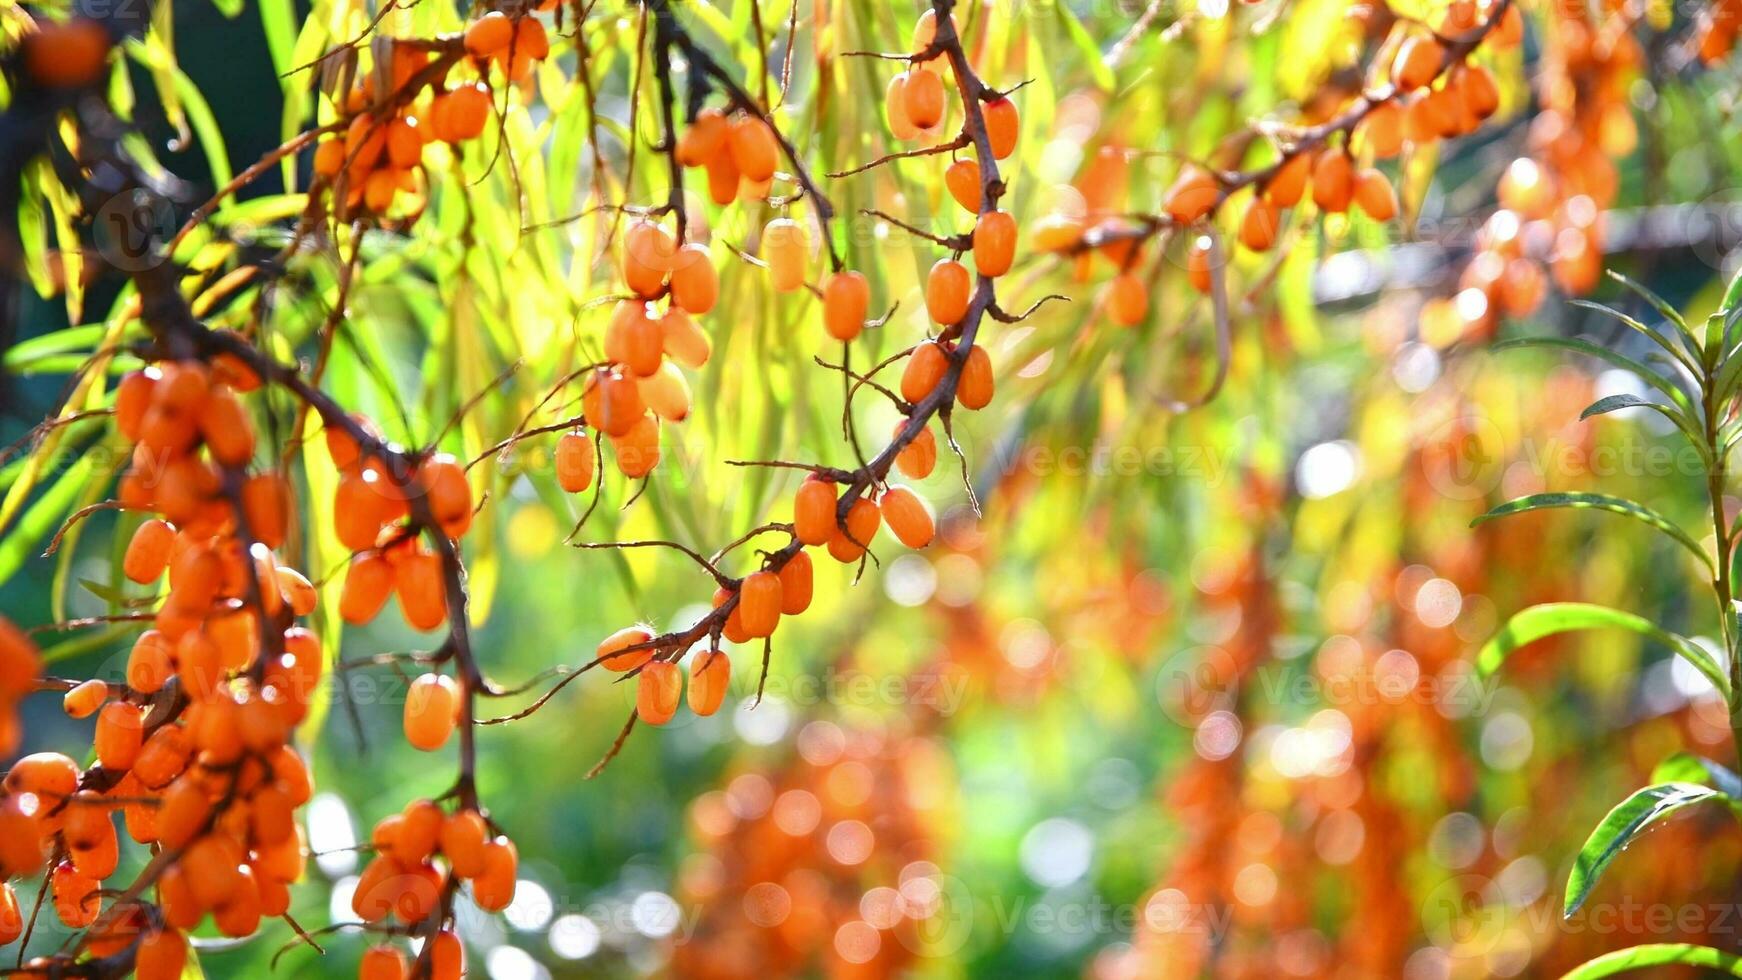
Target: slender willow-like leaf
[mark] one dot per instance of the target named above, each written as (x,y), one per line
(1624,823)
(1598,501)
(1685,767)
(1551,618)
(1683,424)
(1656,954)
(1661,305)
(1658,338)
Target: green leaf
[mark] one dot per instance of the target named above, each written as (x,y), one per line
(1597,501)
(1656,954)
(1552,618)
(1658,303)
(1685,767)
(1615,403)
(1656,337)
(1622,361)
(1085,42)
(1624,823)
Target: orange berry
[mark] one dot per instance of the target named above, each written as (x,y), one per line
(919,456)
(120,733)
(947,288)
(368,582)
(1417,62)
(612,403)
(683,340)
(423,596)
(863,520)
(84,700)
(962,178)
(710,674)
(266,506)
(659,688)
(329,158)
(1197,271)
(447,957)
(1003,125)
(489,34)
(649,253)
(444,483)
(431,705)
(463,837)
(461,112)
(813,511)
(1286,186)
(162,955)
(895,102)
(704,139)
(994,243)
(637,450)
(1056,233)
(908,516)
(846,302)
(493,888)
(759,603)
(753,148)
(695,286)
(386,962)
(923,98)
(1127,299)
(148,663)
(575,461)
(611,657)
(1259,225)
(666,393)
(723,179)
(926,367)
(67,54)
(1193,194)
(1481,94)
(1333,182)
(297,590)
(76,897)
(49,775)
(976,384)
(796,584)
(1373,192)
(12,922)
(785,247)
(1382,130)
(133,396)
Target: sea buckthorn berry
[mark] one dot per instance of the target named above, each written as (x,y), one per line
(447,957)
(1373,192)
(84,700)
(908,516)
(962,178)
(695,286)
(1259,225)
(610,654)
(1127,299)
(925,31)
(76,897)
(444,483)
(684,341)
(162,955)
(1056,233)
(733,630)
(12,919)
(785,247)
(648,255)
(723,179)
(266,507)
(1417,62)
(666,393)
(385,962)
(1382,130)
(976,384)
(947,288)
(658,690)
(759,603)
(460,113)
(297,590)
(423,596)
(1510,31)
(575,461)
(148,663)
(924,99)
(612,403)
(863,520)
(67,54)
(926,367)
(51,776)
(1003,125)
(431,705)
(994,243)
(710,673)
(1193,194)
(796,584)
(133,396)
(753,148)
(637,450)
(846,302)
(163,757)
(1286,186)
(895,102)
(1197,270)
(493,888)
(920,456)
(1333,182)
(1481,95)
(368,583)
(120,732)
(404,143)
(813,511)
(703,139)
(489,34)
(463,838)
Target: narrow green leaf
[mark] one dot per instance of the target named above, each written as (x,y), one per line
(1685,767)
(1551,618)
(1598,501)
(1624,823)
(1615,403)
(1658,303)
(1638,326)
(1656,954)
(1622,361)
(1085,42)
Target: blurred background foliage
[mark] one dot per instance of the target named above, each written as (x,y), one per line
(1192,696)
